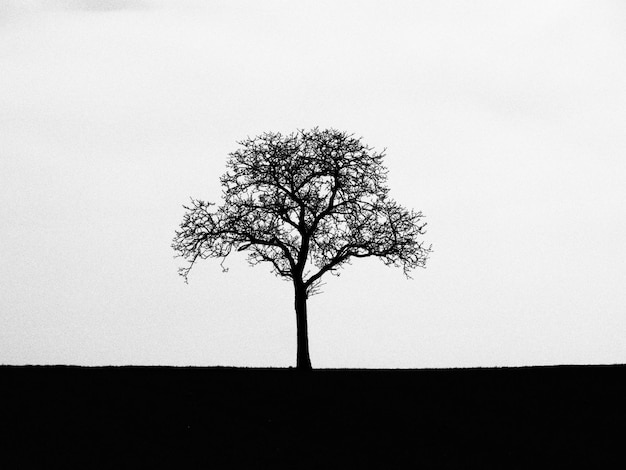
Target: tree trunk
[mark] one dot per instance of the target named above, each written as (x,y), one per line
(303,360)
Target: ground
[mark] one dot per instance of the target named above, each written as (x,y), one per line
(263,418)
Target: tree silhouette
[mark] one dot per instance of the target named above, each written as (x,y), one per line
(310,200)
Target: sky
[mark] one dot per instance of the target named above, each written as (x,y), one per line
(503,123)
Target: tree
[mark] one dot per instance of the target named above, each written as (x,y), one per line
(308,200)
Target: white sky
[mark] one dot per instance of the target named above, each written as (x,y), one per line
(504,122)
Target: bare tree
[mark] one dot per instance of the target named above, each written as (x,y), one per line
(310,200)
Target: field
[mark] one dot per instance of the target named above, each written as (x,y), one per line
(131,417)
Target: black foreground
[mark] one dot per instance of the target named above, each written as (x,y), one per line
(144,417)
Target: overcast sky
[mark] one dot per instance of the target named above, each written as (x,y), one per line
(504,123)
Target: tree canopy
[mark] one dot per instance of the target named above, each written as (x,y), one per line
(306,203)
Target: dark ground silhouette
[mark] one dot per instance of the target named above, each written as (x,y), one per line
(138,417)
